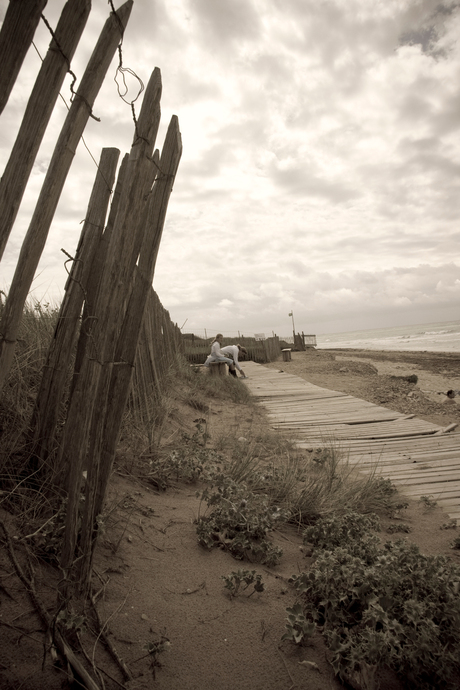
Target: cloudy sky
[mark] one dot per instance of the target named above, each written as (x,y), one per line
(321,164)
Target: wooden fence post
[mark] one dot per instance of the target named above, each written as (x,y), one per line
(134,315)
(53,184)
(39,108)
(86,414)
(97,267)
(18,28)
(61,350)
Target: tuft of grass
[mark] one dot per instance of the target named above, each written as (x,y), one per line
(334,485)
(20,389)
(225,388)
(305,486)
(200,386)
(428,503)
(27,482)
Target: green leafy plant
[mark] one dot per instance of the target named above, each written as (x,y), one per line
(153,649)
(238,521)
(338,530)
(190,461)
(349,530)
(235,580)
(399,527)
(396,508)
(71,625)
(298,628)
(383,607)
(428,502)
(71,622)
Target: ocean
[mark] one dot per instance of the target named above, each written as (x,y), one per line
(429,337)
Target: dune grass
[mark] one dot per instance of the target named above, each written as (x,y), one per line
(307,486)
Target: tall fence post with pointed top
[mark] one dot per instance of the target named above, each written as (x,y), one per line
(53,184)
(49,399)
(38,110)
(85,420)
(18,28)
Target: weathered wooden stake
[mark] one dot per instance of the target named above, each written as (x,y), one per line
(94,279)
(55,374)
(18,28)
(39,108)
(53,184)
(129,336)
(86,416)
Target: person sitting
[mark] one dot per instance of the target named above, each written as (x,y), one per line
(235,352)
(217,355)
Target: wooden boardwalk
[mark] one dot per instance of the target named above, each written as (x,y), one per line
(422,458)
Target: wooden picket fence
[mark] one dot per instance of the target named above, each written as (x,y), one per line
(111,324)
(261,350)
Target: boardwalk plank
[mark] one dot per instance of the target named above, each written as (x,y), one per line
(415,454)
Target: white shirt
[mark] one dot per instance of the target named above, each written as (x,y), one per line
(233,351)
(215,349)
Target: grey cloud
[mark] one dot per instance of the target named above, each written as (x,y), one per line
(426,25)
(272,68)
(416,105)
(190,88)
(425,36)
(298,182)
(225,22)
(330,27)
(447,119)
(346,299)
(430,161)
(311,148)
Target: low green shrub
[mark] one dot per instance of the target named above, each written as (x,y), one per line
(299,629)
(428,502)
(234,582)
(238,521)
(383,607)
(399,527)
(190,461)
(348,531)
